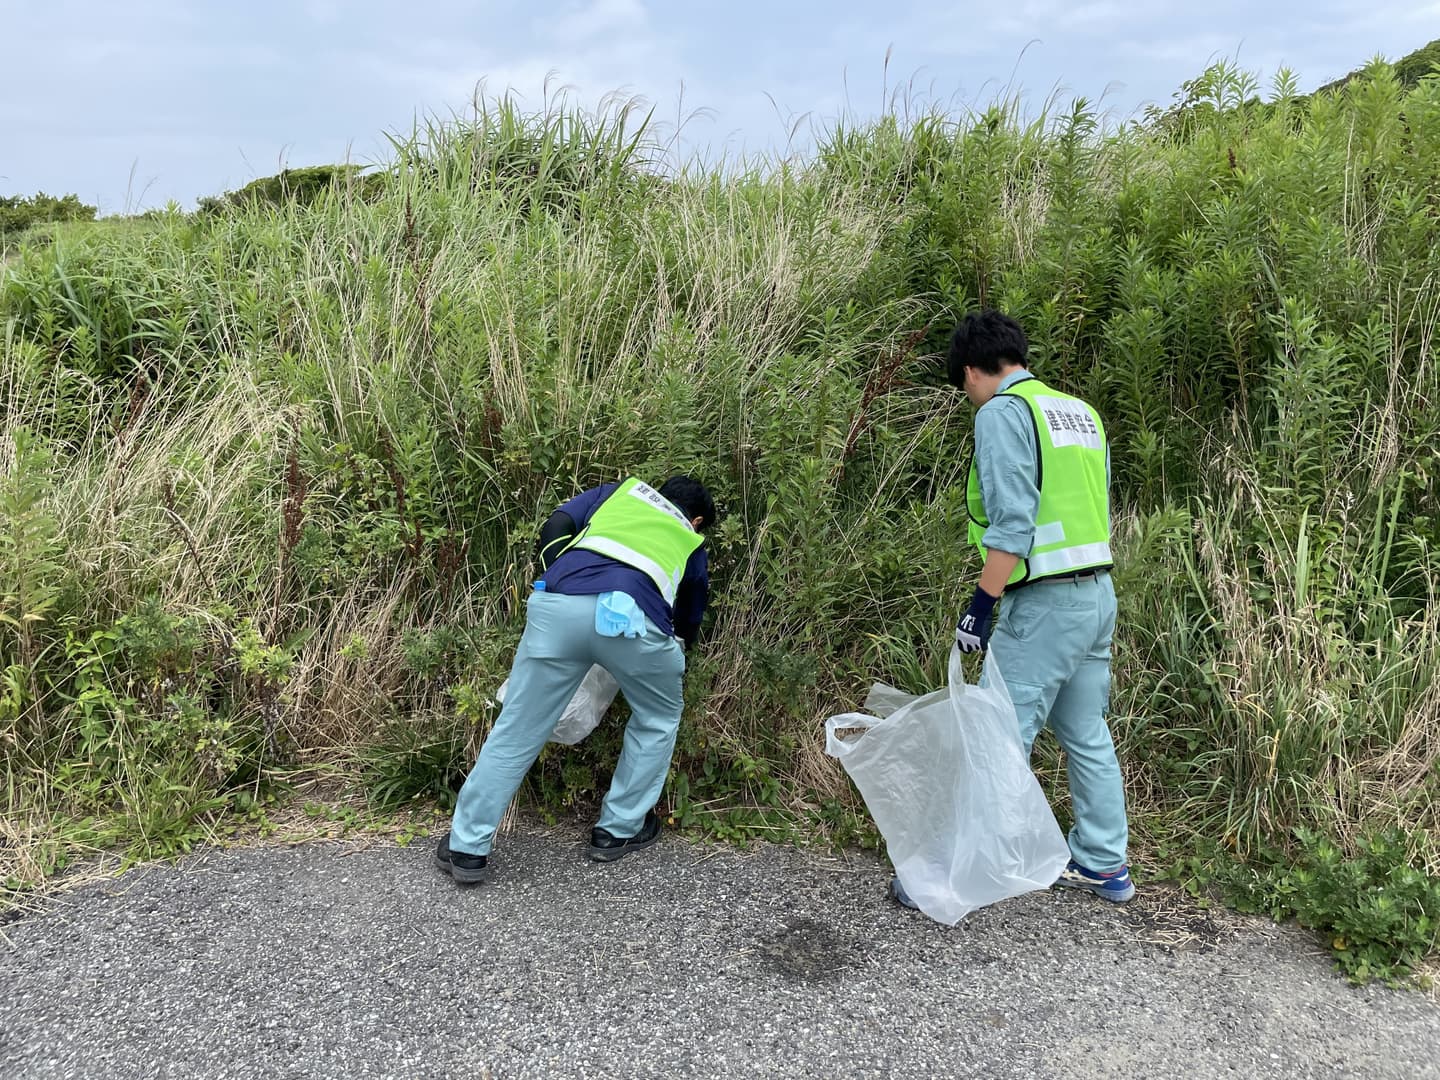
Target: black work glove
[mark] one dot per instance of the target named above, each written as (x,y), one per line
(972,633)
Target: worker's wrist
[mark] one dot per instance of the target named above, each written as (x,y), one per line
(982,603)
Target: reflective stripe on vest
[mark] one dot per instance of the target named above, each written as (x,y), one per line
(1072,530)
(639,527)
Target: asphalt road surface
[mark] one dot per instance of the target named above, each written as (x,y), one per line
(342,959)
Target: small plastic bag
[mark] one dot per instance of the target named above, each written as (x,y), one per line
(586,708)
(946,778)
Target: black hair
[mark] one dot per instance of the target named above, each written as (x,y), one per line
(986,340)
(690,496)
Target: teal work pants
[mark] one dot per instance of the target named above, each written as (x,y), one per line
(1052,644)
(556,650)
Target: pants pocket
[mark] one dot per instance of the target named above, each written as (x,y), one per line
(1031,709)
(1019,616)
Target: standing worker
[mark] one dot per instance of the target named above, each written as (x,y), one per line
(1039,507)
(624,574)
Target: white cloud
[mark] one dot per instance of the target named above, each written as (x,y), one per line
(185,86)
(323,12)
(597,19)
(583,52)
(1094,15)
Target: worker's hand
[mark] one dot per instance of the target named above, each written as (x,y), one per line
(972,633)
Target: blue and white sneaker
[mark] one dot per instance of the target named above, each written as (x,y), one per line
(1115,886)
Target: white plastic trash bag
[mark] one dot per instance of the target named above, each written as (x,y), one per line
(947,781)
(586,709)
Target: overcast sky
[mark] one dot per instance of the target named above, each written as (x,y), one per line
(131,103)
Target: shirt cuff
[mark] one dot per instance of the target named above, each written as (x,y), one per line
(1008,541)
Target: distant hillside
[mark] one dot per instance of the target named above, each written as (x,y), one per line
(1409,70)
(18,213)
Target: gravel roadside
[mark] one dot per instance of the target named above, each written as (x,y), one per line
(361,960)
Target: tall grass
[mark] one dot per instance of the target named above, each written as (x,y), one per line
(274,472)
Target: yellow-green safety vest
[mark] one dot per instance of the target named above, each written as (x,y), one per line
(1072,526)
(639,527)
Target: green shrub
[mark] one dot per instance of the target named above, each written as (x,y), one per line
(19,213)
(299,187)
(1377,913)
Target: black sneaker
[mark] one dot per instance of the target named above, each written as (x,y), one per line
(460,865)
(607,848)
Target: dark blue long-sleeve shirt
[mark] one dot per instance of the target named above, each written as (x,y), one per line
(579,572)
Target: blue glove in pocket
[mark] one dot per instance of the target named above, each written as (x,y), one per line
(617,615)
